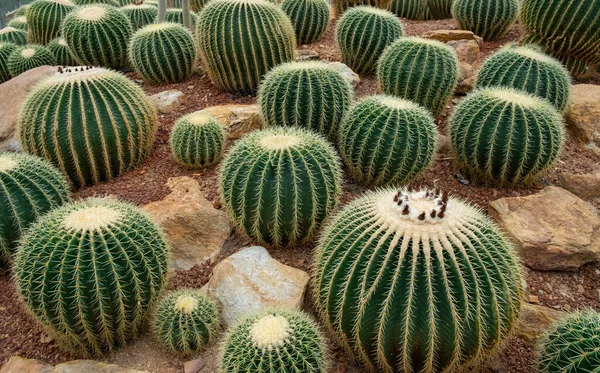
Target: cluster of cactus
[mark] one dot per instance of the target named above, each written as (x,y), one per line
(30,188)
(27,57)
(274,340)
(18,23)
(422,9)
(421,70)
(61,52)
(98,35)
(6,50)
(94,124)
(309,17)
(109,261)
(163,53)
(291,182)
(387,140)
(258,35)
(44,18)
(175,15)
(526,68)
(13,35)
(340,6)
(311,94)
(140,15)
(503,136)
(489,19)
(416,281)
(197,140)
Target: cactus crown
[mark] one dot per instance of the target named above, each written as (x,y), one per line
(92,219)
(91,13)
(6,164)
(8,30)
(270,331)
(185,303)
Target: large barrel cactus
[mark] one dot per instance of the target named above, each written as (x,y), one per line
(197,140)
(27,57)
(18,23)
(505,137)
(140,15)
(90,271)
(340,6)
(280,184)
(489,19)
(94,124)
(440,9)
(44,18)
(363,33)
(309,17)
(421,70)
(251,49)
(30,188)
(175,15)
(416,281)
(61,52)
(13,35)
(6,50)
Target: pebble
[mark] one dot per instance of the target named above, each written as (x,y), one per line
(580,289)
(534,299)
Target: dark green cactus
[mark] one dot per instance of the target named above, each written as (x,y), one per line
(195,5)
(291,183)
(197,140)
(44,18)
(421,70)
(18,23)
(175,15)
(140,15)
(309,17)
(5,51)
(505,137)
(259,36)
(312,95)
(109,261)
(440,9)
(114,3)
(94,124)
(411,9)
(340,6)
(489,19)
(61,52)
(363,33)
(13,35)
(27,57)
(416,282)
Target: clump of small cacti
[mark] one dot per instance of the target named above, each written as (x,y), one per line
(185,321)
(13,35)
(291,183)
(98,35)
(312,95)
(163,53)
(278,340)
(411,9)
(140,15)
(44,18)
(505,137)
(340,6)
(27,57)
(175,15)
(489,19)
(30,188)
(416,281)
(421,70)
(61,52)
(97,144)
(572,345)
(309,17)
(18,23)
(197,140)
(5,51)
(109,262)
(527,69)
(363,33)
(252,48)
(387,140)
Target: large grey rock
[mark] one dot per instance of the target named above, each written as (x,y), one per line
(17,364)
(348,74)
(237,119)
(583,116)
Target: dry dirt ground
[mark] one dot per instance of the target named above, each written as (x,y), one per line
(19,335)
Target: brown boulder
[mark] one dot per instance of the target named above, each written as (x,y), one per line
(583,116)
(237,119)
(18,364)
(535,321)
(450,35)
(585,185)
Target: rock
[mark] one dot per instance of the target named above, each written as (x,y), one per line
(535,321)
(17,364)
(303,55)
(167,101)
(450,35)
(348,74)
(467,51)
(250,280)
(13,94)
(194,366)
(443,144)
(237,119)
(88,366)
(554,229)
(194,228)
(583,116)
(585,186)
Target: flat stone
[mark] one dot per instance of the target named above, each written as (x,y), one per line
(89,366)
(167,101)
(584,185)
(237,119)
(17,364)
(194,366)
(583,116)
(535,321)
(449,35)
(350,76)
(306,55)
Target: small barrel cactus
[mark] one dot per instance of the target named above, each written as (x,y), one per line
(527,69)
(98,35)
(27,57)
(44,18)
(6,50)
(340,6)
(274,340)
(61,52)
(252,48)
(505,137)
(385,140)
(56,122)
(416,281)
(421,70)
(572,345)
(175,15)
(411,9)
(109,261)
(185,321)
(489,19)
(197,140)
(18,23)
(362,35)
(163,53)
(13,35)
(140,15)
(291,183)
(30,188)
(312,95)
(309,17)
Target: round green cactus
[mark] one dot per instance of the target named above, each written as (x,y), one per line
(310,18)
(27,57)
(114,3)
(572,345)
(411,9)
(30,188)
(363,33)
(313,95)
(22,10)
(387,140)
(274,340)
(61,52)
(252,47)
(489,19)
(421,70)
(185,321)
(416,281)
(163,53)
(527,69)
(18,23)
(6,50)
(94,124)
(175,15)
(140,15)
(13,35)
(505,137)
(197,140)
(340,6)
(440,9)
(195,5)
(291,182)
(98,35)
(44,18)
(109,262)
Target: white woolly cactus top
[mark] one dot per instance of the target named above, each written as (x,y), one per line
(199,118)
(186,304)
(138,6)
(91,13)
(270,331)
(22,19)
(8,29)
(7,164)
(279,142)
(516,97)
(304,65)
(92,218)
(62,42)
(155,27)
(28,53)
(397,103)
